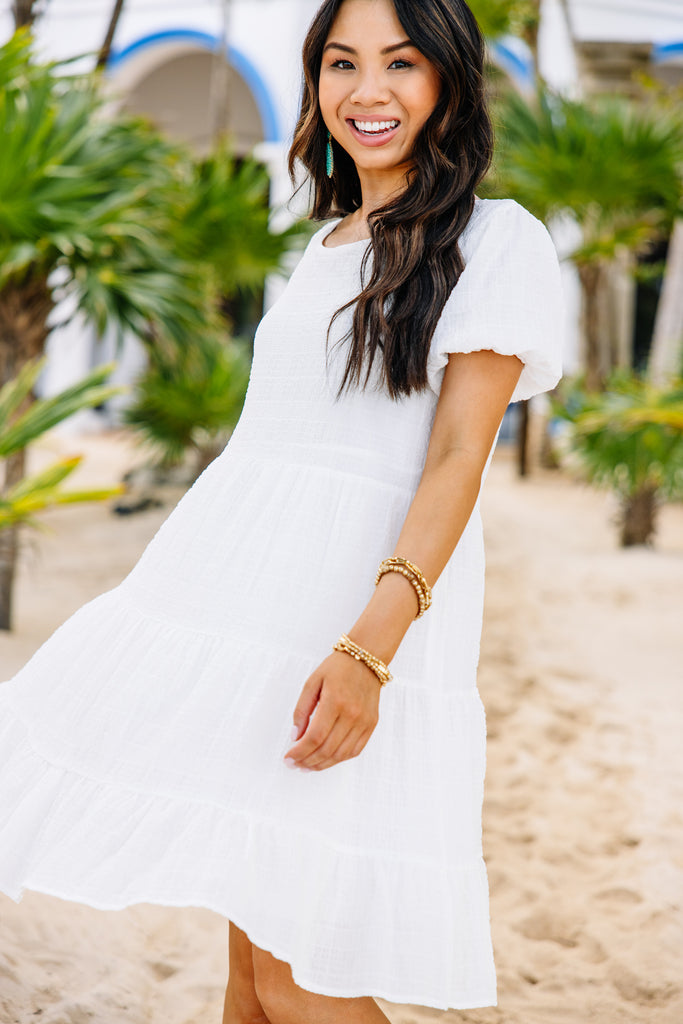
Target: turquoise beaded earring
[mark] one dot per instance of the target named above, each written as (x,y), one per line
(330,156)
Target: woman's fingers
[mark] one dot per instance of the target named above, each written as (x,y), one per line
(318,729)
(308,699)
(349,748)
(326,751)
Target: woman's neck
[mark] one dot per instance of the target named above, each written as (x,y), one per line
(377,190)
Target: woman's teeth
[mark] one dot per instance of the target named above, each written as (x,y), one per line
(375,127)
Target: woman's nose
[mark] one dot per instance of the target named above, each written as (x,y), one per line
(370,88)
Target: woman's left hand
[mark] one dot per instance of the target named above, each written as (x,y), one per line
(344,694)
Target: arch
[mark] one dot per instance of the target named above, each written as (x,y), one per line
(519,67)
(206,41)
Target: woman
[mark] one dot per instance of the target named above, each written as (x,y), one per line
(146,748)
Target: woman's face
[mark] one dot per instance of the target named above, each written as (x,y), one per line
(376,89)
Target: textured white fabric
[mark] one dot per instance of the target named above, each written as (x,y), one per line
(141,748)
(508,298)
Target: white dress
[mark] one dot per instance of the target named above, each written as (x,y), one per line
(141,748)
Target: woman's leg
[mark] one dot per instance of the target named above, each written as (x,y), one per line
(286,1003)
(241,1002)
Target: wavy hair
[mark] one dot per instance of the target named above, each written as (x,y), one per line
(415,237)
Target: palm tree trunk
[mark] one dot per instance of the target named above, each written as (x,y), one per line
(596,363)
(638,517)
(24,309)
(523,439)
(15,467)
(24,12)
(105,51)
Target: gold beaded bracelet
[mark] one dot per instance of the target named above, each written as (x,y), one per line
(413,575)
(347,646)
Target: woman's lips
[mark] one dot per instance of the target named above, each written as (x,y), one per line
(373,140)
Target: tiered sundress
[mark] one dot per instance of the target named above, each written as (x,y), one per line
(141,748)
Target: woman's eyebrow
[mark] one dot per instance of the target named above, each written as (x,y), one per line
(350,49)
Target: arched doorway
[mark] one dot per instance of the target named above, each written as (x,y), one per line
(171,77)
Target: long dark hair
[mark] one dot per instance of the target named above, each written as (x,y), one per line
(416,256)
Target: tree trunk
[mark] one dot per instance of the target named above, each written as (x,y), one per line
(638,517)
(14,469)
(24,309)
(597,361)
(666,354)
(25,12)
(523,439)
(548,456)
(105,52)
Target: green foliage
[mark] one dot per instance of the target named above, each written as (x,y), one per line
(141,231)
(630,437)
(190,398)
(21,426)
(90,195)
(615,165)
(18,430)
(221,218)
(506,17)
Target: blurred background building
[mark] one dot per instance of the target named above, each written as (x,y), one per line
(198,68)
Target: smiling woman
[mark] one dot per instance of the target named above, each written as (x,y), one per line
(223,728)
(397,80)
(410,186)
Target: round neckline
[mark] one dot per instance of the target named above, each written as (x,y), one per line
(329,228)
(345,245)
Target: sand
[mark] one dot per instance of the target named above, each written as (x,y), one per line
(580,673)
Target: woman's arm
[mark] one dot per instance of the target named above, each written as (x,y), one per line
(475,392)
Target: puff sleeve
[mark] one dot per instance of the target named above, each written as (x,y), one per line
(508,298)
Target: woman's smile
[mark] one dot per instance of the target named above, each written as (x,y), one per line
(373,132)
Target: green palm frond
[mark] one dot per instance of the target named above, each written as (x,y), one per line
(20,427)
(141,231)
(615,165)
(222,220)
(19,431)
(188,399)
(41,491)
(629,437)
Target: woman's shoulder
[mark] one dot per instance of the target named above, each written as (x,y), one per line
(502,223)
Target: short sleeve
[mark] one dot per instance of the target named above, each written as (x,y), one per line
(508,298)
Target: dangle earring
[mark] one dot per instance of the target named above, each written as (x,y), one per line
(330,156)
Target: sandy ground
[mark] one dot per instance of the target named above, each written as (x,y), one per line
(581,670)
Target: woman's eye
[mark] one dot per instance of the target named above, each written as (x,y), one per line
(338,63)
(403,63)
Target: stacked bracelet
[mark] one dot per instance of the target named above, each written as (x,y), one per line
(360,654)
(413,575)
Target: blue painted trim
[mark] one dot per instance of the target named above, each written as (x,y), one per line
(663,51)
(206,41)
(518,68)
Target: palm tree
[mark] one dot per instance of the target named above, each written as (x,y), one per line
(630,438)
(190,399)
(613,165)
(20,426)
(102,209)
